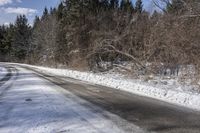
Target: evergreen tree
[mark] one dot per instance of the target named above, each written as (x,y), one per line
(114,3)
(60,12)
(2,35)
(72,10)
(95,6)
(175,6)
(122,4)
(52,10)
(22,32)
(36,21)
(2,32)
(126,5)
(7,42)
(104,4)
(139,6)
(45,13)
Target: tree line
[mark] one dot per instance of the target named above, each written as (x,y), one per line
(87,33)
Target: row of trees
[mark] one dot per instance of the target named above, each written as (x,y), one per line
(14,40)
(85,33)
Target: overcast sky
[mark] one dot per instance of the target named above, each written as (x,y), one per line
(9,9)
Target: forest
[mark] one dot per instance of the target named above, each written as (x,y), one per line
(89,34)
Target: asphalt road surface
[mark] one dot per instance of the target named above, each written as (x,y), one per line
(31,101)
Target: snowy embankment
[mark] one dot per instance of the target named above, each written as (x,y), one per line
(175,96)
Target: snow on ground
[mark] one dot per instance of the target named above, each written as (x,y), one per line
(33,105)
(171,93)
(3,72)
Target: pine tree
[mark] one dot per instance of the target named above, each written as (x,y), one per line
(2,35)
(104,3)
(95,6)
(22,32)
(139,6)
(114,3)
(175,6)
(126,5)
(122,4)
(45,13)
(60,12)
(36,21)
(7,42)
(52,10)
(73,10)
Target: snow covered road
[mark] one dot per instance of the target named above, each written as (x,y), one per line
(3,72)
(31,104)
(34,102)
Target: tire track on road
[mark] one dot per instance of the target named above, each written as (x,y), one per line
(12,71)
(7,77)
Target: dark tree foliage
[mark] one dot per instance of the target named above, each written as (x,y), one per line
(52,11)
(126,5)
(60,11)
(175,7)
(114,4)
(45,13)
(3,46)
(139,6)
(20,44)
(36,21)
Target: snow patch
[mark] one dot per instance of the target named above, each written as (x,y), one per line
(3,72)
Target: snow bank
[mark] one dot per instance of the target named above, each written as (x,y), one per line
(190,100)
